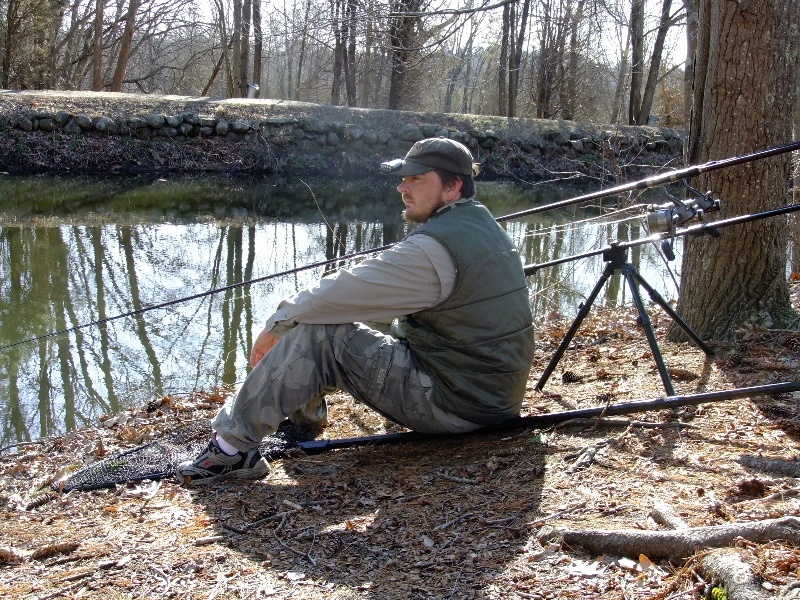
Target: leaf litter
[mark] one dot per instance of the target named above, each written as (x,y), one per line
(456,518)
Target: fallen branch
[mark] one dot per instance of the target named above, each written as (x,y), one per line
(663,514)
(679,544)
(772,465)
(727,569)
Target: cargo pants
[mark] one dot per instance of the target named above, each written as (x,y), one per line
(310,360)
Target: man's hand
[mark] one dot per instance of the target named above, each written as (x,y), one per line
(263,344)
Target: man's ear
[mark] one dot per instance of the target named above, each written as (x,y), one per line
(453,190)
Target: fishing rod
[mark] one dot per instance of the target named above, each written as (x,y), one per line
(656,180)
(157,460)
(699,229)
(554,418)
(649,182)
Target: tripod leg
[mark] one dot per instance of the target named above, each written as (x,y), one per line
(584,310)
(644,320)
(658,299)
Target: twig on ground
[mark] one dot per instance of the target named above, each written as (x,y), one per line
(556,515)
(305,555)
(456,479)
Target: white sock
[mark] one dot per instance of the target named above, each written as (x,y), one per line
(225,446)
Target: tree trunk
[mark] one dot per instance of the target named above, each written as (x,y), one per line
(691,7)
(622,80)
(242,66)
(637,59)
(302,56)
(368,76)
(743,96)
(643,114)
(515,58)
(337,10)
(236,55)
(571,83)
(350,55)
(402,31)
(502,69)
(258,46)
(97,47)
(125,48)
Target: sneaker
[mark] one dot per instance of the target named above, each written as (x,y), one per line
(213,464)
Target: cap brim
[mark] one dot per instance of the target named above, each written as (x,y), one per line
(412,168)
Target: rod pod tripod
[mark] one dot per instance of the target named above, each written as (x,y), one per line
(616,257)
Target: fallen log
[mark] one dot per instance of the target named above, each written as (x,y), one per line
(676,545)
(771,465)
(727,569)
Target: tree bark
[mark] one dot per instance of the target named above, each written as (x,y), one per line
(643,114)
(125,48)
(571,83)
(244,50)
(502,69)
(97,47)
(726,568)
(743,95)
(679,544)
(350,55)
(637,59)
(402,29)
(515,59)
(258,46)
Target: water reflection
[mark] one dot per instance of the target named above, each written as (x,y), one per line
(76,252)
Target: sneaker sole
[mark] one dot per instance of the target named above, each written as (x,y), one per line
(256,472)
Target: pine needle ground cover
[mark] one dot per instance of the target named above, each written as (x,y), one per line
(480,516)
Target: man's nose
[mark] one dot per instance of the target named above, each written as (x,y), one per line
(402,188)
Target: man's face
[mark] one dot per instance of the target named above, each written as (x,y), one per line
(423,195)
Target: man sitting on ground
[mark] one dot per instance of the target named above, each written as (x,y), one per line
(457,360)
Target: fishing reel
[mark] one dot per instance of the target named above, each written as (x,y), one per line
(666,218)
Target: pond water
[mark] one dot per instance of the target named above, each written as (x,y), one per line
(83,263)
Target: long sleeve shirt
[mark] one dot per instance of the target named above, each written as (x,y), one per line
(413,275)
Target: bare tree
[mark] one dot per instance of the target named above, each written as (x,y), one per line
(97,47)
(125,47)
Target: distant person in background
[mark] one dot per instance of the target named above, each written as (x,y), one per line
(457,358)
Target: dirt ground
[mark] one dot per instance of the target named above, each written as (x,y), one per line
(474,516)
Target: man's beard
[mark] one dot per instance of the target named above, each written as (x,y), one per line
(414,218)
(420,218)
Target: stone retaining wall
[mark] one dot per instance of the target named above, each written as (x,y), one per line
(261,140)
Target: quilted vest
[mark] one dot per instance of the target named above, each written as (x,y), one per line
(477,345)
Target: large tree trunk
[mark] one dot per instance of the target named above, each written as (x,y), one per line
(402,31)
(125,48)
(743,96)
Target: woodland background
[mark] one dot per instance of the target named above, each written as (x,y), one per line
(613,61)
